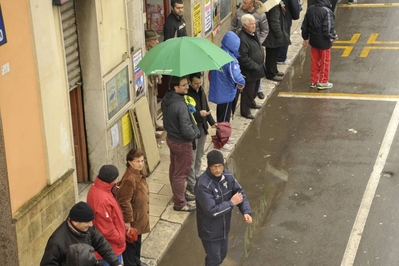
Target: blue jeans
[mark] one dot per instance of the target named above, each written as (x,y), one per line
(104,263)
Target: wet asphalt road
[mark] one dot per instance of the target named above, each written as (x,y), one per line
(319,165)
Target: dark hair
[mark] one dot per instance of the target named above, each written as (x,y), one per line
(174,2)
(175,81)
(197,75)
(133,153)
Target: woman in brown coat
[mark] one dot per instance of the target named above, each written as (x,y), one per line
(133,196)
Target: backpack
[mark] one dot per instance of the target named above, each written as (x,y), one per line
(81,254)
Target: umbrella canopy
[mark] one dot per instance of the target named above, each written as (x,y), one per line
(183,56)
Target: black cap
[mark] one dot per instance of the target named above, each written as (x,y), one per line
(108,173)
(81,212)
(215,157)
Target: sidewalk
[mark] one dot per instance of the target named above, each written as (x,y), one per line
(165,222)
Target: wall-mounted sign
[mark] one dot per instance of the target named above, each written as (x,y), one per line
(3,36)
(59,2)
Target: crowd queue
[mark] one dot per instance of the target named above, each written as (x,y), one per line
(107,230)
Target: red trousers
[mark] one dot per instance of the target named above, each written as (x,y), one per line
(320,66)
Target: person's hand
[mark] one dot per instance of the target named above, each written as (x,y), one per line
(240,87)
(127,226)
(248,218)
(236,199)
(215,125)
(204,113)
(305,43)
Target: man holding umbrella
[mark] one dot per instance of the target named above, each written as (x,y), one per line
(181,131)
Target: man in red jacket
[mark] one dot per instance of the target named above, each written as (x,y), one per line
(108,218)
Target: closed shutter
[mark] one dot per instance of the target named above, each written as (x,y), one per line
(71,46)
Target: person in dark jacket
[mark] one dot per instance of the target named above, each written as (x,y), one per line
(277,38)
(217,192)
(203,117)
(318,31)
(78,228)
(175,26)
(181,132)
(292,12)
(251,64)
(333,3)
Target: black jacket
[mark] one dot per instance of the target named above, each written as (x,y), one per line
(65,235)
(201,104)
(318,25)
(177,119)
(251,56)
(293,10)
(278,35)
(214,207)
(174,26)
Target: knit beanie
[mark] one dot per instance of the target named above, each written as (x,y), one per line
(215,157)
(108,173)
(81,212)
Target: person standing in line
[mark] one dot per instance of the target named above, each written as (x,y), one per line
(133,196)
(175,26)
(225,83)
(277,38)
(108,217)
(251,64)
(292,12)
(318,31)
(203,117)
(78,228)
(256,9)
(181,132)
(217,192)
(151,39)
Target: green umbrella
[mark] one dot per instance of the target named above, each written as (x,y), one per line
(183,56)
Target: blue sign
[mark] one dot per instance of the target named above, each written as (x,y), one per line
(3,37)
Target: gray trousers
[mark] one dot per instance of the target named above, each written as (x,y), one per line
(197,159)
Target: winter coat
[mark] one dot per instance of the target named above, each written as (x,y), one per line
(174,26)
(214,207)
(251,56)
(108,217)
(223,82)
(278,35)
(65,235)
(293,10)
(133,196)
(262,28)
(201,104)
(177,119)
(318,25)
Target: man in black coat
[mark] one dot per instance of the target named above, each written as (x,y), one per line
(175,26)
(217,192)
(78,228)
(251,64)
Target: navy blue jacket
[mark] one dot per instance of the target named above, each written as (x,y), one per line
(214,207)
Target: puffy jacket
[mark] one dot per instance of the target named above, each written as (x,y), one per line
(318,25)
(214,207)
(177,119)
(278,35)
(108,217)
(223,82)
(174,26)
(262,27)
(65,235)
(201,104)
(251,57)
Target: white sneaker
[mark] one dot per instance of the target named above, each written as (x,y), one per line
(226,147)
(231,140)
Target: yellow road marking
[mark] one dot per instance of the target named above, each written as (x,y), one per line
(366,50)
(345,96)
(369,5)
(347,50)
(373,40)
(353,40)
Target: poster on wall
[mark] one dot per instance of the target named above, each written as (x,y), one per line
(117,89)
(215,13)
(197,19)
(208,16)
(138,74)
(155,14)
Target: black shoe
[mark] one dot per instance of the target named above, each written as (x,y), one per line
(276,78)
(250,116)
(187,208)
(260,95)
(257,106)
(280,74)
(189,197)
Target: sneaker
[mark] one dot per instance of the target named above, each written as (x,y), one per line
(226,147)
(231,140)
(286,62)
(189,197)
(322,86)
(187,208)
(313,85)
